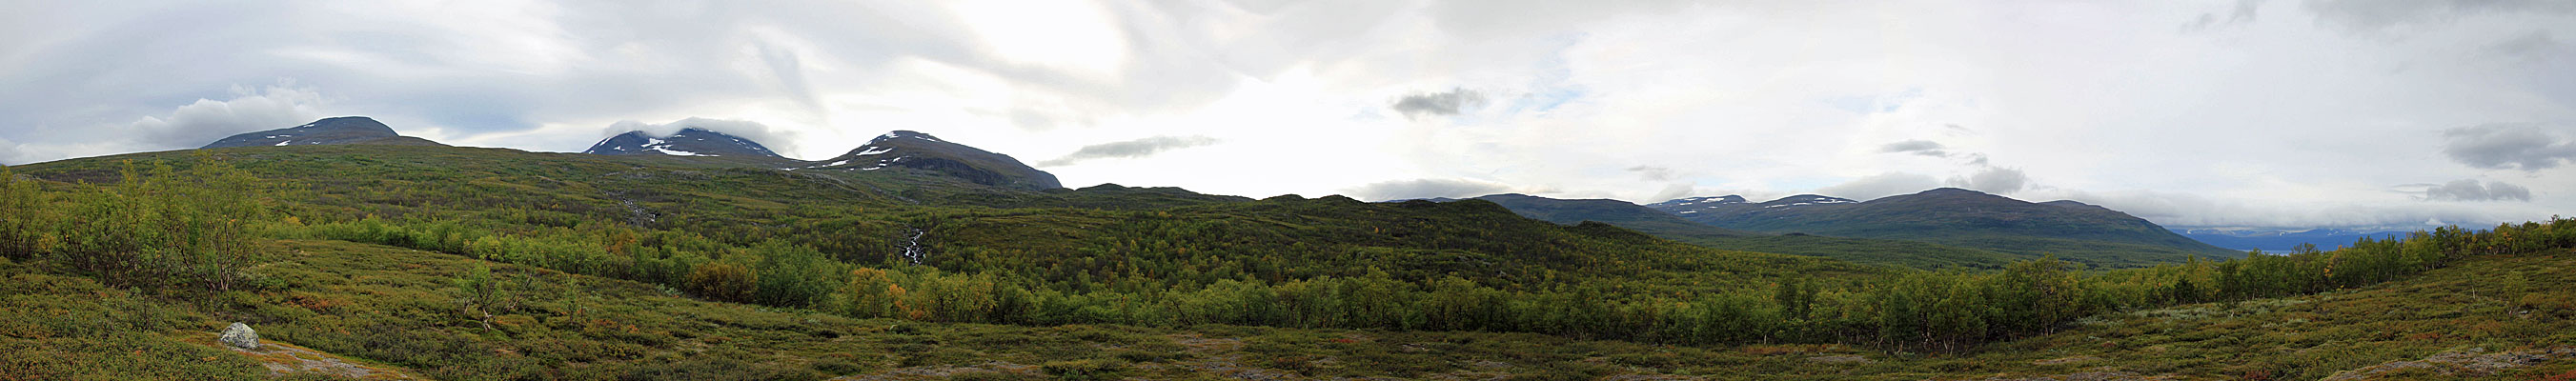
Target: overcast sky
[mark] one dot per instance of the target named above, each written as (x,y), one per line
(2286,113)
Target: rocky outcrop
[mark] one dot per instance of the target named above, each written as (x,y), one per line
(240,336)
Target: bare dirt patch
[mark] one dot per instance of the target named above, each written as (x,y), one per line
(283,359)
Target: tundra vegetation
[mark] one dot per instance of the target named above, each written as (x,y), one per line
(462,263)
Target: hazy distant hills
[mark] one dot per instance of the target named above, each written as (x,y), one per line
(686,142)
(1958,217)
(1614,212)
(328,131)
(2280,240)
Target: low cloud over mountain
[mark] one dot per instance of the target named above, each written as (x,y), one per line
(1129,149)
(1428,188)
(774,139)
(1438,104)
(2470,190)
(2524,146)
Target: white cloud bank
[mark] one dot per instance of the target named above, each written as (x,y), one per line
(2185,112)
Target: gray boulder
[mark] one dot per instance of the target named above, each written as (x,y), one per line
(240,336)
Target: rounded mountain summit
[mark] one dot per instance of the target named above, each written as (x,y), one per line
(920,151)
(328,131)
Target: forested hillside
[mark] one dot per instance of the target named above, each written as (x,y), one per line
(593,251)
(2073,231)
(1914,254)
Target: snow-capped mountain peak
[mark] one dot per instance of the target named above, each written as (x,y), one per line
(916,151)
(686,142)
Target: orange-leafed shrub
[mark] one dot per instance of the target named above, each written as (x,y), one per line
(2561,304)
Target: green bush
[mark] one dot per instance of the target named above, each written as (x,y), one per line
(723,281)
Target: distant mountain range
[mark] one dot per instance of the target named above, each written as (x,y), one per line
(1615,212)
(906,151)
(2070,230)
(2280,240)
(328,131)
(1934,229)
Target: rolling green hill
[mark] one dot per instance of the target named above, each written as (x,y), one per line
(1046,256)
(1667,226)
(858,216)
(1957,217)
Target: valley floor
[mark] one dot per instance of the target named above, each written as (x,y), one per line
(364,311)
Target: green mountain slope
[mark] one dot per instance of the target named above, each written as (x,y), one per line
(689,211)
(1957,217)
(1667,226)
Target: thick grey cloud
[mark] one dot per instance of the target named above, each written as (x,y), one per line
(1977,159)
(2538,46)
(508,71)
(1652,173)
(1427,188)
(1438,104)
(2528,147)
(1918,147)
(1880,185)
(2381,15)
(1129,149)
(206,120)
(1728,92)
(1674,191)
(2470,190)
(2184,209)
(188,125)
(2243,13)
(1996,180)
(790,72)
(778,140)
